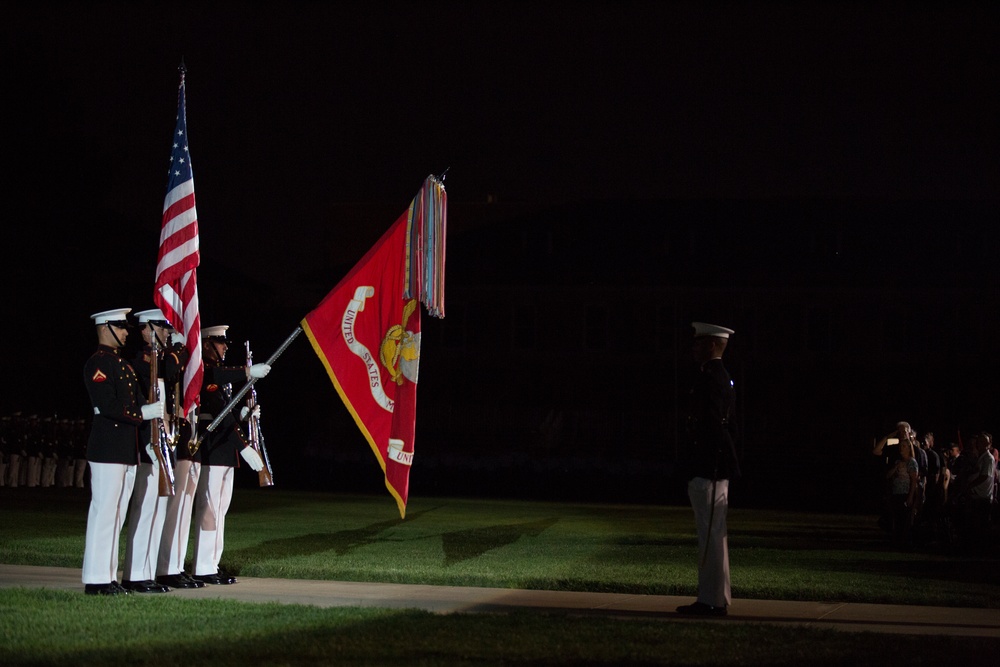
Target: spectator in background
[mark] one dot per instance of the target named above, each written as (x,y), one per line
(948,456)
(903,489)
(921,456)
(978,499)
(888,447)
(996,482)
(962,466)
(886,451)
(930,516)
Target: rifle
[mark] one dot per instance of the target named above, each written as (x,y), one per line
(256,436)
(196,441)
(158,435)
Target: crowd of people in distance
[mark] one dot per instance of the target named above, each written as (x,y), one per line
(42,451)
(939,494)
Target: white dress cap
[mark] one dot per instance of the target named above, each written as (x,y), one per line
(214,332)
(116,315)
(154,315)
(714,330)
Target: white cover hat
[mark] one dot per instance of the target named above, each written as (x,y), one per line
(714,330)
(116,315)
(214,332)
(154,315)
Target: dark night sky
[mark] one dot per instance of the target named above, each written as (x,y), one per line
(298,111)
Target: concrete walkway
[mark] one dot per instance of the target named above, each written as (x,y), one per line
(452,599)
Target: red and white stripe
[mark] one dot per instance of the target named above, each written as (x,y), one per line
(176,291)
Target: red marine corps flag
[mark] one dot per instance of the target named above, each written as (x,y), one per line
(367,331)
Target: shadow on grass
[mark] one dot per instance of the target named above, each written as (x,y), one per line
(458,546)
(463,545)
(341,542)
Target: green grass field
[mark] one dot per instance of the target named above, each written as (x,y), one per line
(622,548)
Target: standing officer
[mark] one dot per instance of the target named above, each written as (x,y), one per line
(187,472)
(112,449)
(218,452)
(148,508)
(709,465)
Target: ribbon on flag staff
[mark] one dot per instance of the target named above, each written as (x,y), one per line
(366,331)
(176,287)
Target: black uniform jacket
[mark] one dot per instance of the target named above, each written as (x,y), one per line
(221,447)
(116,397)
(711,427)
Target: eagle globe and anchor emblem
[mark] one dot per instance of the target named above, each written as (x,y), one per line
(400,349)
(400,356)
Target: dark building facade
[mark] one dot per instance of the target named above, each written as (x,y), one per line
(564,355)
(560,366)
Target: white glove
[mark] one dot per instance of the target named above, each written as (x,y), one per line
(258,370)
(252,458)
(153,410)
(245,412)
(177,337)
(151,452)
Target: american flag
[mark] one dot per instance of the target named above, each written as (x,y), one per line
(176,290)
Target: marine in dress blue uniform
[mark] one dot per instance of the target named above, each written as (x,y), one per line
(219,451)
(147,509)
(187,472)
(112,448)
(709,463)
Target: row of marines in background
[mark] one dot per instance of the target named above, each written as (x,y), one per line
(42,451)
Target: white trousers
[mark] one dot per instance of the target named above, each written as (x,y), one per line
(64,473)
(145,524)
(713,543)
(215,492)
(177,524)
(34,471)
(110,490)
(49,464)
(13,470)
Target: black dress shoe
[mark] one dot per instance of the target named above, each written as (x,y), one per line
(226,575)
(180,580)
(215,579)
(147,586)
(104,589)
(701,609)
